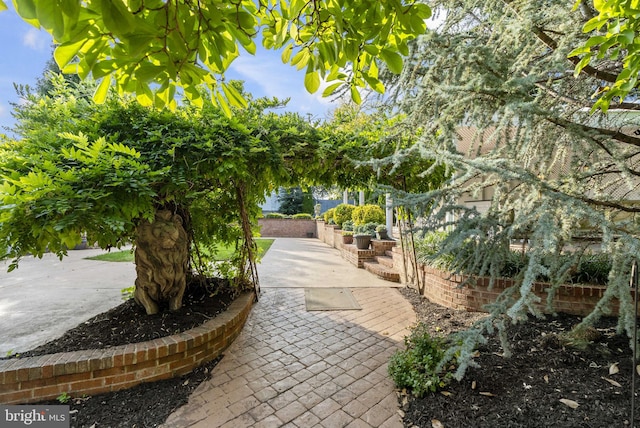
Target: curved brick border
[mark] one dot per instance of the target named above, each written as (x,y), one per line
(31,379)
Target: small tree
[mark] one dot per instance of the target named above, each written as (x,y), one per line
(291,201)
(496,98)
(168,182)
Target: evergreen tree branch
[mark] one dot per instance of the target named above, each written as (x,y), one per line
(614,134)
(590,70)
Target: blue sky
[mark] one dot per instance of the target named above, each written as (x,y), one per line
(25,51)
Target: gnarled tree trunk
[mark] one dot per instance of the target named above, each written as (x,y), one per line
(162,256)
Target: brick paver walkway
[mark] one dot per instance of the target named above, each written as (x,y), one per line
(294,368)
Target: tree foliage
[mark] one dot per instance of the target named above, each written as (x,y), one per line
(613,47)
(77,166)
(152,47)
(290,201)
(104,169)
(375,142)
(494,95)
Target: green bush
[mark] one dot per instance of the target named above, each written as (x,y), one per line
(274,215)
(348,225)
(366,229)
(342,213)
(328,214)
(415,367)
(586,268)
(304,216)
(368,214)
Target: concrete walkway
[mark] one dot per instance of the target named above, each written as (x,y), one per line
(304,263)
(293,368)
(45,297)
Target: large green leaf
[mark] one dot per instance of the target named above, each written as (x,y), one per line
(392,59)
(103,89)
(49,14)
(65,52)
(173,35)
(311,81)
(117,17)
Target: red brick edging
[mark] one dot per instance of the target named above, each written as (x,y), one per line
(446,289)
(31,379)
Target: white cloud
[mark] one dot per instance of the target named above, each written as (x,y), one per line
(36,40)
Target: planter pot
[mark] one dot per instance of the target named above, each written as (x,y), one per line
(382,235)
(347,239)
(362,241)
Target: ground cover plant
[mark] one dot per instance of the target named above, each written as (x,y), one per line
(552,379)
(587,267)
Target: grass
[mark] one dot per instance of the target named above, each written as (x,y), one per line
(115,256)
(224,253)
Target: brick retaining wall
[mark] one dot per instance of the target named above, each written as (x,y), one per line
(380,247)
(357,257)
(445,289)
(32,379)
(287,228)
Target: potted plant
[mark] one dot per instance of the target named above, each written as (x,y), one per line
(370,228)
(381,232)
(362,236)
(347,232)
(347,237)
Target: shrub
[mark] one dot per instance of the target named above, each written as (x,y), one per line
(416,367)
(368,214)
(347,225)
(586,268)
(593,269)
(274,215)
(328,214)
(304,216)
(366,229)
(343,213)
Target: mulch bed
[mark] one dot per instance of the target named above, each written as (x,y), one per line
(522,391)
(149,404)
(539,386)
(129,323)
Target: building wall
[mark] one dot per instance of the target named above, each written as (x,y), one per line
(287,228)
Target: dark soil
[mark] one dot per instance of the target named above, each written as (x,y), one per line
(522,391)
(129,323)
(149,404)
(531,388)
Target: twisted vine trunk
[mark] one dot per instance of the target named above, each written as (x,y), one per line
(162,257)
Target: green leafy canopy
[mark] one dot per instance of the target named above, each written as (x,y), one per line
(613,28)
(153,47)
